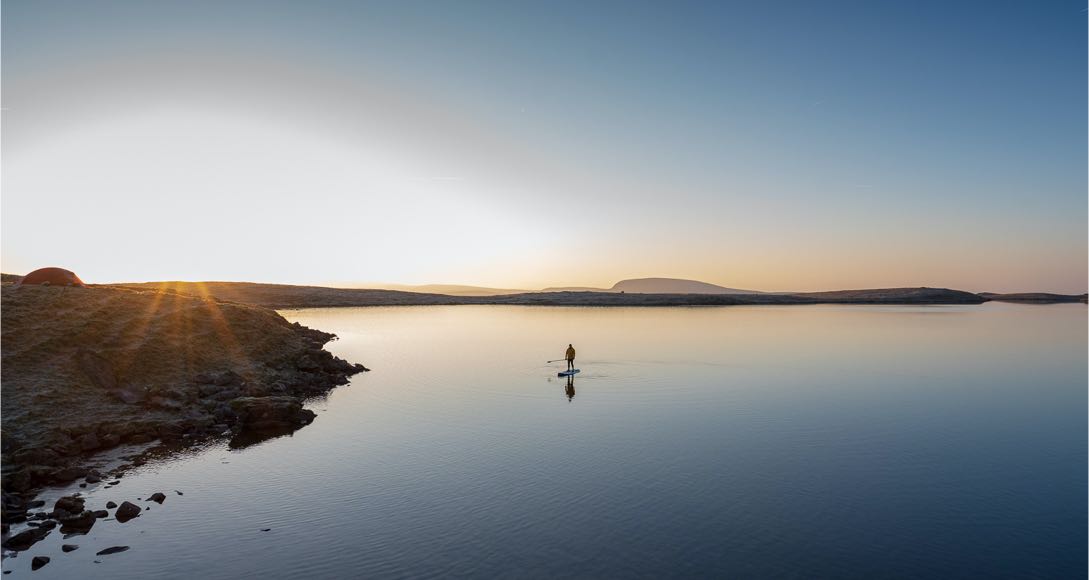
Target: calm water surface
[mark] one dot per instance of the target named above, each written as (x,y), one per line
(751,442)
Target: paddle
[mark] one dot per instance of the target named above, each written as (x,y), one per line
(552,361)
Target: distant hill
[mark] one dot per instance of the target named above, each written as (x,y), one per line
(674,286)
(448,289)
(1034,297)
(284,296)
(658,286)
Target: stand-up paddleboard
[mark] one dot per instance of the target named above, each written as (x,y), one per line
(567,373)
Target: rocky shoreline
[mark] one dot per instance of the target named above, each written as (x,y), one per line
(90,369)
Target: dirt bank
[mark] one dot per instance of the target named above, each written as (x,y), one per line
(86,369)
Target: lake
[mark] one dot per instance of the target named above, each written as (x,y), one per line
(749,442)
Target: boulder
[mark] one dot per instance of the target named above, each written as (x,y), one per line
(25,539)
(139,438)
(172,430)
(111,550)
(78,524)
(110,505)
(88,442)
(166,404)
(220,378)
(36,456)
(38,562)
(127,511)
(69,503)
(157,497)
(130,395)
(18,480)
(271,412)
(308,364)
(69,547)
(68,474)
(110,440)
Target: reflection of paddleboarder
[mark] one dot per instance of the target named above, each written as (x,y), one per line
(570,388)
(570,356)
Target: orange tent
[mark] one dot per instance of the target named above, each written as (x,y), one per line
(52,277)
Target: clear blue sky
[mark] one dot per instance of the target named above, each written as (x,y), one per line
(785,145)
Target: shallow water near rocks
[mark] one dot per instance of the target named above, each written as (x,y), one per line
(791,442)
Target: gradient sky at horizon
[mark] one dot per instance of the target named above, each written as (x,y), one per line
(772,146)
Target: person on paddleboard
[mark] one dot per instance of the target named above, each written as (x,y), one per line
(570,356)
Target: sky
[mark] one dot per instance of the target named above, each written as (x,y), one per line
(762,145)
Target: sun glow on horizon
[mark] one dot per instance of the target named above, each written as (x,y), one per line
(207,151)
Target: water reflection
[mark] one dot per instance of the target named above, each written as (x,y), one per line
(252,437)
(752,442)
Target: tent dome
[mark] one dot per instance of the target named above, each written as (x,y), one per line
(52,277)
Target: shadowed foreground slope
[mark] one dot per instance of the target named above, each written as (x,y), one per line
(89,368)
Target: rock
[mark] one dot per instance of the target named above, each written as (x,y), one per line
(17,480)
(38,562)
(36,456)
(157,497)
(111,550)
(110,440)
(69,503)
(36,503)
(25,539)
(271,412)
(48,524)
(224,413)
(92,478)
(227,394)
(101,514)
(171,431)
(88,442)
(266,529)
(178,492)
(209,389)
(110,505)
(68,474)
(220,378)
(131,396)
(307,363)
(127,511)
(165,404)
(69,547)
(79,524)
